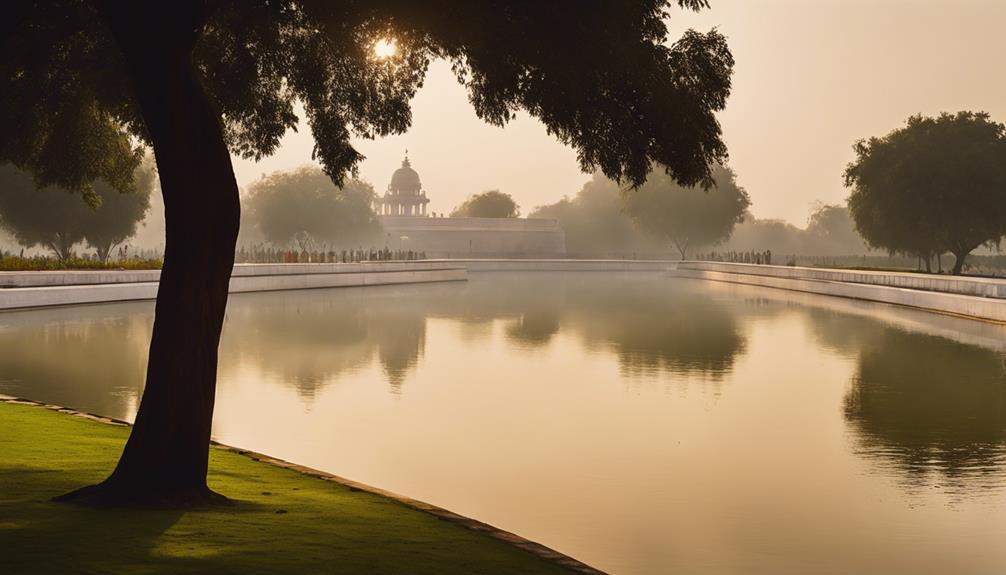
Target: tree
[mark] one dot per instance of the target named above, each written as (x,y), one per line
(304,205)
(119,214)
(775,235)
(687,216)
(833,232)
(937,185)
(594,222)
(59,220)
(491,204)
(197,80)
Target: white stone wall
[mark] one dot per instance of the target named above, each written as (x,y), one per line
(72,289)
(985,287)
(976,307)
(561,265)
(89,277)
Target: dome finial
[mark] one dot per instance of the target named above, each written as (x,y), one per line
(405,162)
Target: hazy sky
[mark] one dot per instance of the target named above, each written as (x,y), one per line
(812,76)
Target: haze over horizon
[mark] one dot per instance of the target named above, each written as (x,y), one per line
(811,78)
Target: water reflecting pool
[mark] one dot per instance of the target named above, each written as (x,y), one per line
(641,423)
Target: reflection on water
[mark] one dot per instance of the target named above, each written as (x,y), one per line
(928,407)
(308,341)
(926,404)
(642,423)
(92,357)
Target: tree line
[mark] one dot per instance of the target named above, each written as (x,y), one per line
(930,188)
(57,219)
(936,186)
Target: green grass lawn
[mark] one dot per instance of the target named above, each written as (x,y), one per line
(283,521)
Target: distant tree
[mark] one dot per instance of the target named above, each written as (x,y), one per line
(491,204)
(776,235)
(48,217)
(304,206)
(59,219)
(197,81)
(936,185)
(116,219)
(688,216)
(833,232)
(594,222)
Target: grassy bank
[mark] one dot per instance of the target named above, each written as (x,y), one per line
(283,521)
(38,263)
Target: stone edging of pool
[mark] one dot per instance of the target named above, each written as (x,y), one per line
(991,309)
(46,289)
(536,549)
(37,289)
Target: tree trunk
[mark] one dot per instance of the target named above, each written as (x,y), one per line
(961,253)
(682,248)
(61,248)
(165,460)
(959,258)
(104,250)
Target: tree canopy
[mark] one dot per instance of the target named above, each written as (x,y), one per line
(258,59)
(81,81)
(936,185)
(59,219)
(687,216)
(304,206)
(491,204)
(833,232)
(595,223)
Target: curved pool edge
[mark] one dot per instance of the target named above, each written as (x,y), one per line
(971,307)
(30,290)
(534,548)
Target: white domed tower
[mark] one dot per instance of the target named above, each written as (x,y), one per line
(405,195)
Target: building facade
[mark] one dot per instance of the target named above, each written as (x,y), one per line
(404,196)
(402,212)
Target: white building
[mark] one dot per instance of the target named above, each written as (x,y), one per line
(402,212)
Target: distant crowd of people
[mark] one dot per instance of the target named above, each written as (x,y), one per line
(269,255)
(749,257)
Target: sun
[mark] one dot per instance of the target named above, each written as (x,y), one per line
(385,48)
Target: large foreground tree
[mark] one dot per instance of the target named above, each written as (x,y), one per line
(199,80)
(937,185)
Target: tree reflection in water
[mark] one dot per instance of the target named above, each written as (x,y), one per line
(308,340)
(924,403)
(928,399)
(651,325)
(928,406)
(92,359)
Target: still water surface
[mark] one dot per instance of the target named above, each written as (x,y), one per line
(641,423)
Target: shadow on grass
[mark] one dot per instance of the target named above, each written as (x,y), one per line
(42,536)
(280,522)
